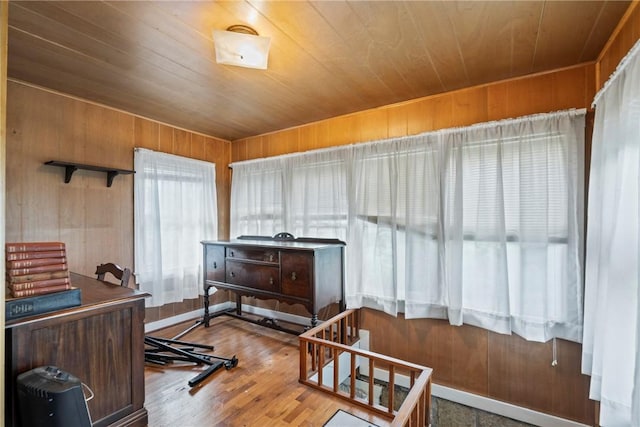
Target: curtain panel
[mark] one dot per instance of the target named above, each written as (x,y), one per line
(175,209)
(480,225)
(611,350)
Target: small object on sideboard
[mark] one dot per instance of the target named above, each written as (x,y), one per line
(70,168)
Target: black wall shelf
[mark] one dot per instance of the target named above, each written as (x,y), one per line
(70,168)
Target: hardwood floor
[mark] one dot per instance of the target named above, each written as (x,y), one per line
(263,390)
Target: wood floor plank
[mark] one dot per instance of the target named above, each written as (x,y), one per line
(263,390)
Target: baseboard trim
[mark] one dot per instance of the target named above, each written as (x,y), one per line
(502,408)
(285,317)
(228,305)
(191,315)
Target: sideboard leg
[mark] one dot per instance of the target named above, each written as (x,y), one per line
(239,304)
(207,316)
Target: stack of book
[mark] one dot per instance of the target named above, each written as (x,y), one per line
(36,268)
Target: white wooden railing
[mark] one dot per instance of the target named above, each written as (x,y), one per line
(328,356)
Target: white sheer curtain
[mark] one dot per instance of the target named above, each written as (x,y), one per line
(513,226)
(611,350)
(481,225)
(174,209)
(305,195)
(257,198)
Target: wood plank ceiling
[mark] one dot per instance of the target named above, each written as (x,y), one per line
(328,58)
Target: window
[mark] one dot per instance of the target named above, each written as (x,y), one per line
(480,225)
(175,209)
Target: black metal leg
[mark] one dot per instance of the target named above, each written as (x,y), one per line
(160,351)
(204,374)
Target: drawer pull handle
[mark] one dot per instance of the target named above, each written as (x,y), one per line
(231,253)
(271,280)
(232,274)
(270,257)
(293,276)
(215,265)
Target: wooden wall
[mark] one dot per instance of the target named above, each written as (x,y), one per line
(568,88)
(626,34)
(95,222)
(502,367)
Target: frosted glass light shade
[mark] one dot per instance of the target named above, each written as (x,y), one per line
(243,50)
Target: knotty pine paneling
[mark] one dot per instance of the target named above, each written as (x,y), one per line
(502,367)
(622,40)
(95,221)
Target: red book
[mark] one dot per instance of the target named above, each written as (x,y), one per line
(33,246)
(38,284)
(37,269)
(35,262)
(41,291)
(38,276)
(35,255)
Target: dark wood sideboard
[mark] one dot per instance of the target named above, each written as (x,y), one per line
(101,342)
(309,272)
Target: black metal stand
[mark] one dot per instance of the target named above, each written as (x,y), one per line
(237,313)
(266,322)
(161,351)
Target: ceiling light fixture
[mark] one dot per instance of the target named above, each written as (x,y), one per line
(241,45)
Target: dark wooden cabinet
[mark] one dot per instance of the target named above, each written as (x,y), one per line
(101,342)
(307,272)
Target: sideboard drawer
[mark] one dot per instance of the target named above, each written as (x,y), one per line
(296,274)
(264,255)
(261,277)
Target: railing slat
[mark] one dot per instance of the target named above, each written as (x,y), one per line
(320,364)
(314,357)
(303,359)
(336,370)
(352,385)
(371,378)
(392,387)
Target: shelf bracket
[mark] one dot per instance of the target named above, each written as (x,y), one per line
(68,172)
(110,176)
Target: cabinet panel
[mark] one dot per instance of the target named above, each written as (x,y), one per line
(214,263)
(259,276)
(296,274)
(102,338)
